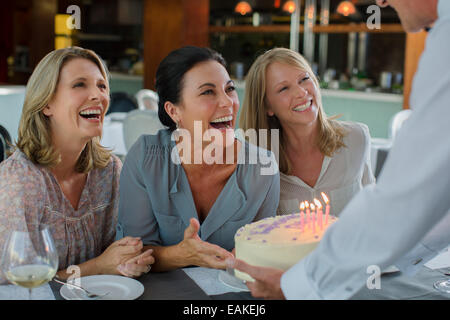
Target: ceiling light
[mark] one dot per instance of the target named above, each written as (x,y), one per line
(346,8)
(289,6)
(243,7)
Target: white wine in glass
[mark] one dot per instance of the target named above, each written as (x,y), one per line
(30,258)
(30,276)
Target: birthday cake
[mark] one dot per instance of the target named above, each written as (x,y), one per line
(279,242)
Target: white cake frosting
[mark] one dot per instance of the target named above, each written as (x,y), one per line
(278,242)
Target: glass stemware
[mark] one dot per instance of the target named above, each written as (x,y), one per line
(30,258)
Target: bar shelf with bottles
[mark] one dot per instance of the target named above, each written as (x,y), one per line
(332,28)
(321,22)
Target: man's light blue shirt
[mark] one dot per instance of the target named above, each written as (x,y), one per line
(404,219)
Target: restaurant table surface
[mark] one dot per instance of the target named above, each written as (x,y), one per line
(203,284)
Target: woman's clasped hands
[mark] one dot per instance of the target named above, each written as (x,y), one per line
(125,257)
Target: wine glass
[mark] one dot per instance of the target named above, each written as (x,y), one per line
(30,258)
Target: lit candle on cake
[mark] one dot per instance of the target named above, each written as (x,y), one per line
(307,212)
(302,214)
(313,207)
(327,207)
(319,213)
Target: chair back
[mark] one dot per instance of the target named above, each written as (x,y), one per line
(397,122)
(121,102)
(139,122)
(147,99)
(5,139)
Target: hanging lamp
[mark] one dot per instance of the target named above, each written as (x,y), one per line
(243,7)
(346,8)
(289,6)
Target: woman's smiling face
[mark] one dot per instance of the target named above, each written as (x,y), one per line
(208,96)
(80,102)
(291,95)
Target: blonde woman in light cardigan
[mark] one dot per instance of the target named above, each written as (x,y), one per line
(59,175)
(316,153)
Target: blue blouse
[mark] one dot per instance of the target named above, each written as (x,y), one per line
(156,202)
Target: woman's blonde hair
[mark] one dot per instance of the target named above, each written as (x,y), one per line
(34,138)
(254,110)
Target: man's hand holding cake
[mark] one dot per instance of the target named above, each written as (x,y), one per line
(266,282)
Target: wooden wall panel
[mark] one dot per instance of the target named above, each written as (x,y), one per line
(6,38)
(415,44)
(42,29)
(196,23)
(169,25)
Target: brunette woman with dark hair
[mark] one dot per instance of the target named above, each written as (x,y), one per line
(189,211)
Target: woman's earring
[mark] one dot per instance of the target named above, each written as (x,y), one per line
(176,132)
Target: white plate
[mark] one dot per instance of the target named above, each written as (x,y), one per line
(231,281)
(119,288)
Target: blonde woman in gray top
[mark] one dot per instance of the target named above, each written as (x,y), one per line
(316,154)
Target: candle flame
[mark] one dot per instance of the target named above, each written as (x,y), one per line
(318,203)
(313,207)
(306,204)
(302,206)
(325,198)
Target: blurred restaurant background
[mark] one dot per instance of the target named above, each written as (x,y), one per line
(365,73)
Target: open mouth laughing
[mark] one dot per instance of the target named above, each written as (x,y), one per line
(303,107)
(92,114)
(225,122)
